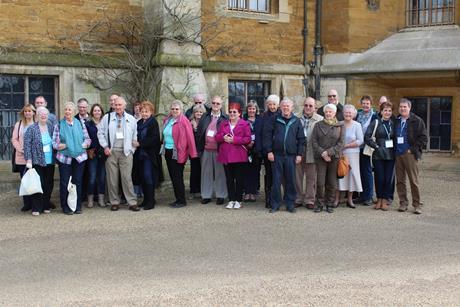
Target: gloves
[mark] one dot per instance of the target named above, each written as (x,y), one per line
(29,165)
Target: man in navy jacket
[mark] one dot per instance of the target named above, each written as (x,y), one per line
(284,141)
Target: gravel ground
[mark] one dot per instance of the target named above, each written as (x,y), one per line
(206,255)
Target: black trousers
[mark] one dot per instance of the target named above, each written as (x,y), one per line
(40,201)
(268,178)
(176,173)
(234,173)
(195,175)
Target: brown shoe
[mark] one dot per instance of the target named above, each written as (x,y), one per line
(310,206)
(378,205)
(114,208)
(134,208)
(384,205)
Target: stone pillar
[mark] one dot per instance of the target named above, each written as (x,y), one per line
(180,64)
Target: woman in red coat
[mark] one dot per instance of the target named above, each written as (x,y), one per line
(233,136)
(179,144)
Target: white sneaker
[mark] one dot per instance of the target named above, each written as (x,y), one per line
(230,205)
(35,213)
(236,205)
(46,211)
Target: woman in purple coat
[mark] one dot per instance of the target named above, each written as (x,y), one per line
(233,136)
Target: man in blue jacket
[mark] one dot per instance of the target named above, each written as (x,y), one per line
(284,141)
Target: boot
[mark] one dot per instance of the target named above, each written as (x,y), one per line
(100,200)
(384,205)
(90,203)
(378,205)
(149,196)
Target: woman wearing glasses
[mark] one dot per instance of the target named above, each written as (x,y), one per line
(233,136)
(179,144)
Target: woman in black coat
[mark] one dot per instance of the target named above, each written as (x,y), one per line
(146,164)
(383,157)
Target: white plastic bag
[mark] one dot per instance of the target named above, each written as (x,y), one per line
(30,183)
(72,197)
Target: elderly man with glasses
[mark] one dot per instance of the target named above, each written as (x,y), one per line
(212,172)
(306,169)
(197,99)
(333,97)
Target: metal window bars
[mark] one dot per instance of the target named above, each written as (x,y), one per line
(256,6)
(425,13)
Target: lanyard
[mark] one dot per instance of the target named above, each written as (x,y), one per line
(386,130)
(403,125)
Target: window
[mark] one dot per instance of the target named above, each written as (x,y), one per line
(259,6)
(423,13)
(243,91)
(15,91)
(436,112)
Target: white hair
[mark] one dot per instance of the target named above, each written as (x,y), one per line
(41,110)
(287,100)
(199,96)
(350,107)
(70,104)
(273,98)
(331,106)
(178,103)
(122,100)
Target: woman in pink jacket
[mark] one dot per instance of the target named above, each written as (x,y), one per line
(179,144)
(232,137)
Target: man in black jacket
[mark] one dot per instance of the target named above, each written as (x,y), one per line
(284,141)
(333,97)
(410,137)
(212,172)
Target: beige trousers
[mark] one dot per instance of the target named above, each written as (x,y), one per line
(407,164)
(305,194)
(117,165)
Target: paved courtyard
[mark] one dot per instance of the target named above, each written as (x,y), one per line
(207,255)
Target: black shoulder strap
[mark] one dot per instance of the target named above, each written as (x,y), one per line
(19,128)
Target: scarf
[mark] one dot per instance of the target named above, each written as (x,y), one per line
(331,122)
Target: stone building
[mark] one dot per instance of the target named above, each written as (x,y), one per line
(252,48)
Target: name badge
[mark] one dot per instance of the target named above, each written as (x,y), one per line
(389,143)
(400,140)
(253,137)
(211,133)
(47,148)
(119,135)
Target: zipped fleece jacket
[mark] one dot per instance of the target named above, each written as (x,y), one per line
(283,138)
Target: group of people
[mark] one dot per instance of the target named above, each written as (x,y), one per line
(115,156)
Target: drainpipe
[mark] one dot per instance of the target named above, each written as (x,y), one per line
(305,80)
(318,50)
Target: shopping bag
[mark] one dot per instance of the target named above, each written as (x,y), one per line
(30,183)
(72,197)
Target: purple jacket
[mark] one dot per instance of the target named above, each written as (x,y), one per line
(237,151)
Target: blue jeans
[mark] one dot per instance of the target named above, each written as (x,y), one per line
(65,171)
(384,178)
(96,180)
(367,179)
(283,171)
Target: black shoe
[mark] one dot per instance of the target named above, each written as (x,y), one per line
(179,205)
(68,213)
(25,209)
(173,204)
(219,201)
(329,209)
(318,209)
(273,211)
(351,205)
(78,212)
(205,201)
(52,206)
(292,210)
(150,206)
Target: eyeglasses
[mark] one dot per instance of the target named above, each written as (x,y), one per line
(216,103)
(308,106)
(175,109)
(197,102)
(233,112)
(331,96)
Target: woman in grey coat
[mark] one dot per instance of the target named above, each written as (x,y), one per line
(327,141)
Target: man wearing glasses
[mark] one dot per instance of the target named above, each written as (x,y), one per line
(212,172)
(119,140)
(197,99)
(333,97)
(306,169)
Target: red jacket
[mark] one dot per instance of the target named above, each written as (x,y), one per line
(184,141)
(235,152)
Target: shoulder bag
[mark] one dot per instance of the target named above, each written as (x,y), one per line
(368,150)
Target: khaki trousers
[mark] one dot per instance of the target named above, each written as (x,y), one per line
(305,194)
(407,164)
(117,165)
(326,181)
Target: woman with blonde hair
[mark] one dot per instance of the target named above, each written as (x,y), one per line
(26,120)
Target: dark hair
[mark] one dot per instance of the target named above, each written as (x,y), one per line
(386,104)
(406,101)
(92,109)
(365,97)
(82,99)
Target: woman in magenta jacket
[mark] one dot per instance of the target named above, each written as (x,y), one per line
(232,137)
(179,144)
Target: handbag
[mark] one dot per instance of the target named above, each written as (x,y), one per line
(368,150)
(72,197)
(14,166)
(343,167)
